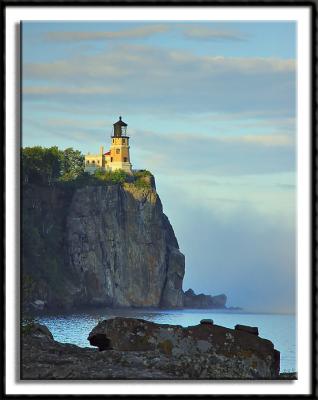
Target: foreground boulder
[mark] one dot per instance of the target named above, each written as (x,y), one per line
(145,350)
(204,351)
(192,300)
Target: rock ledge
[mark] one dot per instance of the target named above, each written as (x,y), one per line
(139,349)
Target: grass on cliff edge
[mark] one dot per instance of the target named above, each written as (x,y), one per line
(140,179)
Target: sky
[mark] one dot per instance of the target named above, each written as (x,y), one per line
(211,112)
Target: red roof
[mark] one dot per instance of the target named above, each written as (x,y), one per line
(107,154)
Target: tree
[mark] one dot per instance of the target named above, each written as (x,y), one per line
(52,164)
(46,165)
(40,165)
(72,163)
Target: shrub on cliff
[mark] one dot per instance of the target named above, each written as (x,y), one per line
(143,179)
(82,179)
(118,176)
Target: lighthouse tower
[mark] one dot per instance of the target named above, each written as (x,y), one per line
(119,149)
(118,156)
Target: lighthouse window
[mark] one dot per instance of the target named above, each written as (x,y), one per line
(97,162)
(117,151)
(93,161)
(111,159)
(123,140)
(125,159)
(87,162)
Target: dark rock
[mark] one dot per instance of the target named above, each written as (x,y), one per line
(44,359)
(234,352)
(115,247)
(172,295)
(192,300)
(39,331)
(216,353)
(250,329)
(189,292)
(206,321)
(288,376)
(219,301)
(38,304)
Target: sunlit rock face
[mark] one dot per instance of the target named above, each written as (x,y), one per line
(122,248)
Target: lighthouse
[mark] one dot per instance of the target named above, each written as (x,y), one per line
(117,158)
(119,149)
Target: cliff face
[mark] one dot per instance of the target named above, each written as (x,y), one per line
(123,248)
(115,247)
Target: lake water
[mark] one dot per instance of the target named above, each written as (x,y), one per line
(279,328)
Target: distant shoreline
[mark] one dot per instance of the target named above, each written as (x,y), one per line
(236,310)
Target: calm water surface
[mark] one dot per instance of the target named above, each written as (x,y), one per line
(280,329)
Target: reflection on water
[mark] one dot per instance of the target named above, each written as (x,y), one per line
(280,329)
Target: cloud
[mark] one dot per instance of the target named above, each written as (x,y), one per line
(124,60)
(154,79)
(252,117)
(132,33)
(91,68)
(55,131)
(204,155)
(266,140)
(206,33)
(67,123)
(54,90)
(249,65)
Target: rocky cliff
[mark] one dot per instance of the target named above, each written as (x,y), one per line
(103,244)
(192,300)
(123,248)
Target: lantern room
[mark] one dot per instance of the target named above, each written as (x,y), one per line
(120,129)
